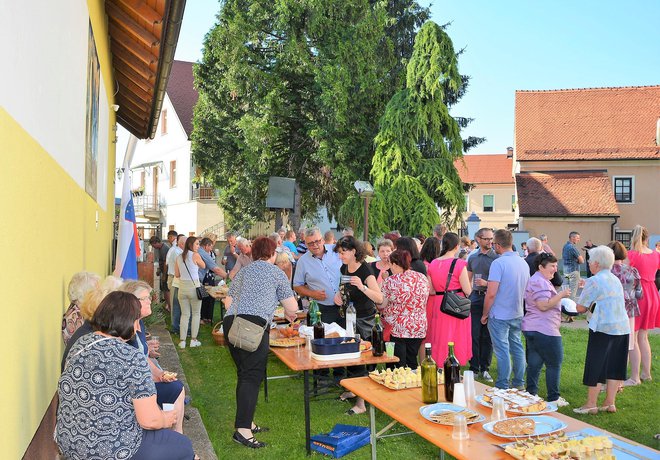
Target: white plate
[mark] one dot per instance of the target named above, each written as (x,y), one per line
(551,407)
(544,425)
(438,408)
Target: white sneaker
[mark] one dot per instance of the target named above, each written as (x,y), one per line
(195,343)
(486,376)
(182,344)
(560,402)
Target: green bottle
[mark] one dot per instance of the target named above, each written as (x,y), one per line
(429,378)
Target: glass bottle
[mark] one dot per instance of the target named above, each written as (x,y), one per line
(429,377)
(319,332)
(351,318)
(452,373)
(377,341)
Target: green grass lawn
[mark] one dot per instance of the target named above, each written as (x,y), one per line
(212,378)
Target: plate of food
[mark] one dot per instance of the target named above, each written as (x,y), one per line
(562,445)
(517,401)
(287,342)
(523,427)
(444,414)
(365,345)
(400,378)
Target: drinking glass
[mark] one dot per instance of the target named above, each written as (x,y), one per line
(460,431)
(459,395)
(389,349)
(475,277)
(468,380)
(499,413)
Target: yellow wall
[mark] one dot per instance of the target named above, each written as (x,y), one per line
(557,229)
(502,214)
(48,224)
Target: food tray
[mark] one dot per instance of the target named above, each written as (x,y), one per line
(287,342)
(544,424)
(334,346)
(401,384)
(438,408)
(514,397)
(621,448)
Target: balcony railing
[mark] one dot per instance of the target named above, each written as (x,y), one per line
(146,205)
(204,192)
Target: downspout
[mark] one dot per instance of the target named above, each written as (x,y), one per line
(616,219)
(172,23)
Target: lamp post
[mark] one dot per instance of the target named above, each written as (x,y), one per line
(366,191)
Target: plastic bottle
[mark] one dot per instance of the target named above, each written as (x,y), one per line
(429,378)
(351,318)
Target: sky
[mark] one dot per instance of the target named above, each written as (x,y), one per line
(514,45)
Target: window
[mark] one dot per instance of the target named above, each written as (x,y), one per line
(489,203)
(513,203)
(172,174)
(142,174)
(163,122)
(466,206)
(623,189)
(623,237)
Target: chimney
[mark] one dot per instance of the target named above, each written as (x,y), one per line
(509,150)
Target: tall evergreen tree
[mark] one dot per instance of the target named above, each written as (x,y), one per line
(294,88)
(418,142)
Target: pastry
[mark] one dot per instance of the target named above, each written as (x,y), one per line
(519,426)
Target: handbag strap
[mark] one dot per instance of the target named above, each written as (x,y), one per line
(451,272)
(186,265)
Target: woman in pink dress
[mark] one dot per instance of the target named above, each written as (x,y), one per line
(647,262)
(443,328)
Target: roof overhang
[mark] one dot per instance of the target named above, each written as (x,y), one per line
(143,38)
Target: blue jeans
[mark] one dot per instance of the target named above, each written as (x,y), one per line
(548,350)
(507,344)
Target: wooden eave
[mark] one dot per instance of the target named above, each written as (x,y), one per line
(143,38)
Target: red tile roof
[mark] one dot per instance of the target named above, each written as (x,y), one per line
(182,93)
(565,193)
(485,169)
(587,124)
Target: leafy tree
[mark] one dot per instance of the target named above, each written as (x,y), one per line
(295,88)
(418,142)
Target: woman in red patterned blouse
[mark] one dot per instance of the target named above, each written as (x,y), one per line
(404,307)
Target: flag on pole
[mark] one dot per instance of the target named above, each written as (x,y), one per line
(128,245)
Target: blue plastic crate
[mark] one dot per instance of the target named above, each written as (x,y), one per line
(342,440)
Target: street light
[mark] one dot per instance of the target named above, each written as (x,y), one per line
(366,191)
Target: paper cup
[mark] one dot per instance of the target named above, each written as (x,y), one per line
(459,395)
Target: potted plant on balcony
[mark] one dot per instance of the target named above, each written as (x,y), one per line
(138,191)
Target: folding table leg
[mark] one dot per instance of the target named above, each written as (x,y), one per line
(266,383)
(442,454)
(308,435)
(372,425)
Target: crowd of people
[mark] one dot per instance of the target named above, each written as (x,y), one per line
(404,281)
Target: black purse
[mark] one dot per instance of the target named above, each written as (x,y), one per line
(453,304)
(201,292)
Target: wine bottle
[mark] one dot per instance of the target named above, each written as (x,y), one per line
(429,378)
(319,331)
(351,318)
(452,373)
(377,341)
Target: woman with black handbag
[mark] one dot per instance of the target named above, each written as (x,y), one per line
(447,273)
(253,296)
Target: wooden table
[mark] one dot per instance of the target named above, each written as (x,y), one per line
(300,359)
(403,406)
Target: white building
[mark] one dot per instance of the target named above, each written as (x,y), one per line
(168,192)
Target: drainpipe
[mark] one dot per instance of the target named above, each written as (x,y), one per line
(616,219)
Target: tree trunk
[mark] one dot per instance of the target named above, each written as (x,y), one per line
(295,217)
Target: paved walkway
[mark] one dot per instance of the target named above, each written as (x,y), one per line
(193,427)
(582,324)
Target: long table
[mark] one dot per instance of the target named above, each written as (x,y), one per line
(403,407)
(300,359)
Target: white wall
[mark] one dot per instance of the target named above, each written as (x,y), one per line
(47,95)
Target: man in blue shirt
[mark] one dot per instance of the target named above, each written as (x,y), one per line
(503,310)
(208,303)
(572,259)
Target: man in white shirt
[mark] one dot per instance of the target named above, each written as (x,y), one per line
(172,254)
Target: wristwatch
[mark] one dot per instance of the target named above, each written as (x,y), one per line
(364,288)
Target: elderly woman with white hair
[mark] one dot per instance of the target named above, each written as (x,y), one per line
(609,329)
(80,284)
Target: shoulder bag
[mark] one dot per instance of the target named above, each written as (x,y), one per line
(243,333)
(453,304)
(199,290)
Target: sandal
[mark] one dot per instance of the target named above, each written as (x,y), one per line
(586,410)
(352,411)
(631,383)
(345,396)
(611,409)
(247,442)
(260,429)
